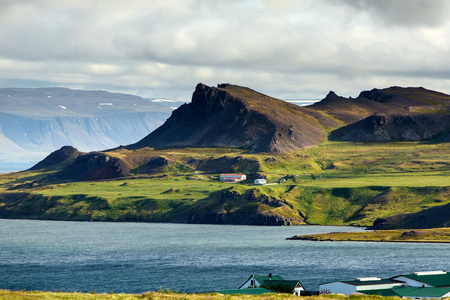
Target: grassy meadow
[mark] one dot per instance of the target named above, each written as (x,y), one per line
(337,183)
(35,295)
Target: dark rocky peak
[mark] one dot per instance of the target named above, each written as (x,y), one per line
(331,94)
(207,99)
(57,157)
(235,116)
(376,95)
(333,97)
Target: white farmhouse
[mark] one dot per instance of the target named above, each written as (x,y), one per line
(260,181)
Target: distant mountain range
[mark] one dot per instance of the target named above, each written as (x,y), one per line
(37,121)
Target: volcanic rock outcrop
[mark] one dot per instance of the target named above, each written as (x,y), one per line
(395,127)
(57,157)
(391,114)
(94,166)
(236,116)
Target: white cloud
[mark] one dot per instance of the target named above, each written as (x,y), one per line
(162,48)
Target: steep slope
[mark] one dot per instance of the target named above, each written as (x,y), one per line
(236,116)
(396,127)
(391,114)
(433,217)
(388,100)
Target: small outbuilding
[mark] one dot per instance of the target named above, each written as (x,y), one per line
(260,181)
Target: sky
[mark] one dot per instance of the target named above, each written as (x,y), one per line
(287,49)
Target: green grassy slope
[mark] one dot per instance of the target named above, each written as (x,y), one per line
(35,295)
(337,183)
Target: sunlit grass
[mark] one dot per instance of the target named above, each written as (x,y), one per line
(12,295)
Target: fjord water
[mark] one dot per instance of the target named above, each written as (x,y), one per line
(139,257)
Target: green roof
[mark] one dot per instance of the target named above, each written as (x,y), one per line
(287,283)
(257,291)
(411,291)
(261,278)
(436,280)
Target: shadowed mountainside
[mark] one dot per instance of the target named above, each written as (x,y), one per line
(236,116)
(391,114)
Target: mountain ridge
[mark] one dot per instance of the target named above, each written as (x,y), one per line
(231,115)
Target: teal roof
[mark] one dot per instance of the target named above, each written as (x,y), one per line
(292,284)
(436,280)
(411,291)
(261,278)
(257,291)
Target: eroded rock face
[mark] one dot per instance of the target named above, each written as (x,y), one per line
(235,116)
(391,127)
(94,166)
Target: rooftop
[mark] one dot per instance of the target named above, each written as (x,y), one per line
(378,281)
(434,278)
(409,291)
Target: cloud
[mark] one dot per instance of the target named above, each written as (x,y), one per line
(404,12)
(162,48)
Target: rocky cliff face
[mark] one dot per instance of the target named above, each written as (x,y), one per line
(391,114)
(235,116)
(398,127)
(231,207)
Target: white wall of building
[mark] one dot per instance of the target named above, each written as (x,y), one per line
(248,283)
(337,288)
(377,287)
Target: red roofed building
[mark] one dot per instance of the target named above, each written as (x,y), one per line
(232,177)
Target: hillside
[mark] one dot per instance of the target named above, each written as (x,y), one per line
(337,183)
(171,175)
(87,120)
(391,114)
(236,116)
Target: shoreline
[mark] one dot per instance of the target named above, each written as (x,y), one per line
(422,236)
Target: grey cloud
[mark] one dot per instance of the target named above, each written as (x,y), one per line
(281,47)
(404,12)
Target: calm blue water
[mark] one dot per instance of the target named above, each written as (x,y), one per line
(139,257)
